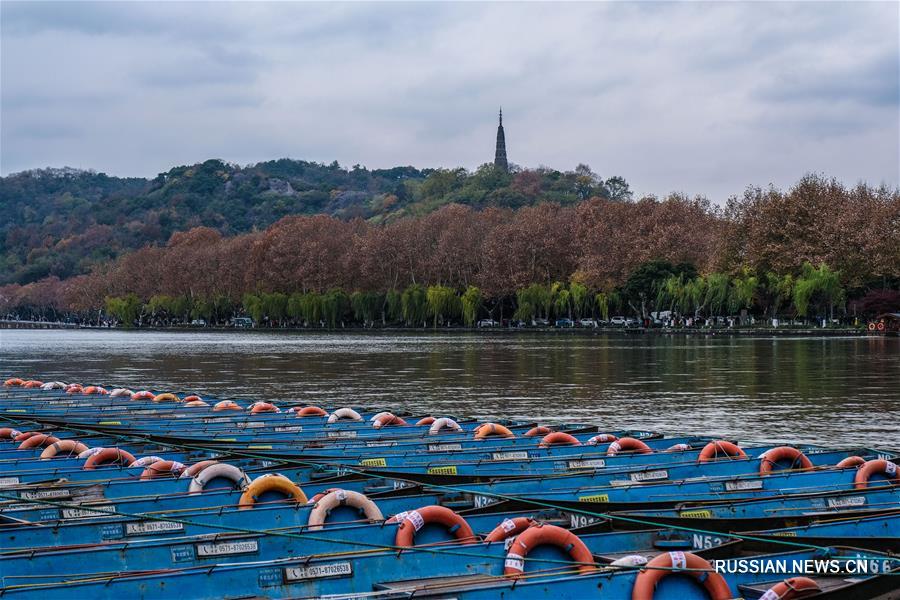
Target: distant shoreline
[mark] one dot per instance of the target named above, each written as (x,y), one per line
(486,331)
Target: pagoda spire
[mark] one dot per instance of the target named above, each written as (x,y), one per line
(500,161)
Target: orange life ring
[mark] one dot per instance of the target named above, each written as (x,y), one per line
(387,419)
(886,467)
(263,407)
(311,411)
(74,388)
(425,421)
(166,397)
(558,438)
(38,441)
(669,563)
(25,435)
(541,430)
(226,405)
(14,382)
(414,520)
(108,456)
(491,429)
(94,390)
(628,444)
(8,433)
(270,482)
(720,448)
(142,395)
(32,383)
(539,535)
(70,447)
(795,587)
(193,398)
(161,468)
(509,528)
(770,458)
(851,461)
(601,438)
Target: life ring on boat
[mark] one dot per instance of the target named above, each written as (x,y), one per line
(558,438)
(628,444)
(270,482)
(120,392)
(885,467)
(851,461)
(388,419)
(310,411)
(8,433)
(871,326)
(226,405)
(54,385)
(32,383)
(414,520)
(74,388)
(334,498)
(687,563)
(195,404)
(539,535)
(678,448)
(192,398)
(347,414)
(166,397)
(880,326)
(108,456)
(377,416)
(142,395)
(713,450)
(201,478)
(93,390)
(486,430)
(161,468)
(91,451)
(146,461)
(769,459)
(509,528)
(70,447)
(263,407)
(25,435)
(38,441)
(795,587)
(195,468)
(540,430)
(601,438)
(14,382)
(425,421)
(443,424)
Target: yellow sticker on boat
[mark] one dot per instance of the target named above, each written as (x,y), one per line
(109,423)
(786,534)
(594,498)
(226,439)
(373,462)
(451,470)
(696,514)
(259,447)
(16,410)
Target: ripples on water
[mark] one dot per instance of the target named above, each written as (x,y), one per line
(821,390)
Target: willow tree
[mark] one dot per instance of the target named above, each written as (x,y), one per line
(814,281)
(579,297)
(334,304)
(717,285)
(414,304)
(365,306)
(532,300)
(442,303)
(471,303)
(253,306)
(743,290)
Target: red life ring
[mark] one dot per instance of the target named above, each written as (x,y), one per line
(490,429)
(32,383)
(70,447)
(14,382)
(192,398)
(509,528)
(226,405)
(263,407)
(795,587)
(161,468)
(310,411)
(675,562)
(94,390)
(387,419)
(425,421)
(601,438)
(74,388)
(851,461)
(108,456)
(539,535)
(38,441)
(414,520)
(558,438)
(770,458)
(629,445)
(143,395)
(886,467)
(8,433)
(713,450)
(539,430)
(881,326)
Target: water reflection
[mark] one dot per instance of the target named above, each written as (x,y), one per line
(828,390)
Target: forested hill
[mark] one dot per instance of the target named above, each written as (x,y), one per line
(61,222)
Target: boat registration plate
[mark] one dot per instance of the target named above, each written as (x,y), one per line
(39,494)
(732,486)
(444,447)
(8,481)
(650,475)
(523,455)
(83,513)
(340,569)
(594,463)
(847,502)
(151,527)
(227,548)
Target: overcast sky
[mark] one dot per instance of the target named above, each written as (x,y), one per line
(695,97)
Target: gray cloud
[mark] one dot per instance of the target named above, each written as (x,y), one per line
(697,97)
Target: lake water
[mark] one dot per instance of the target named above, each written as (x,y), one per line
(824,390)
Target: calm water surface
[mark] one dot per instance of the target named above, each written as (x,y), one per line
(825,390)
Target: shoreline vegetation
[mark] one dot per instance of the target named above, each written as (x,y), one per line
(819,253)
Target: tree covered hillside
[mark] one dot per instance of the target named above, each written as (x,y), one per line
(62,222)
